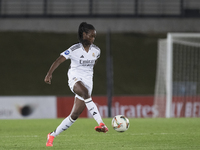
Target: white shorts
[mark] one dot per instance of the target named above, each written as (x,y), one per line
(73,78)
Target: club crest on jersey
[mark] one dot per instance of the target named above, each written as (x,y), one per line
(93,54)
(67,52)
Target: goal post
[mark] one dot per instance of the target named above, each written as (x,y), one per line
(178,76)
(169,75)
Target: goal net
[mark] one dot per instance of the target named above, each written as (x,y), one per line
(177,88)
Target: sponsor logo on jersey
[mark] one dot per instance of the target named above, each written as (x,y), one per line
(82,56)
(67,52)
(87,62)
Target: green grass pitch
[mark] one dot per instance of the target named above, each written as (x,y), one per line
(143,134)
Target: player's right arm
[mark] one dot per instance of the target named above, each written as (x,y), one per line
(55,64)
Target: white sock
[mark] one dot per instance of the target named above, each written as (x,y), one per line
(91,106)
(65,124)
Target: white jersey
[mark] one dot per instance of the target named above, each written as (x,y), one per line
(82,62)
(81,67)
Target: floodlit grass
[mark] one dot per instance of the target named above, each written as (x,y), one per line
(143,134)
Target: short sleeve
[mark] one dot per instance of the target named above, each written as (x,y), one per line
(66,54)
(98,54)
(98,51)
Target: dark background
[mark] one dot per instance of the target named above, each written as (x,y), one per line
(26,57)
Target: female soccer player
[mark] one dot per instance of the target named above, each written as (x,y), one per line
(83,57)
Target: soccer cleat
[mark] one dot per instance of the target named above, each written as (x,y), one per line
(101,128)
(49,140)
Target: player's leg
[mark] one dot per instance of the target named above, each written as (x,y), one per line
(83,92)
(79,106)
(65,124)
(77,109)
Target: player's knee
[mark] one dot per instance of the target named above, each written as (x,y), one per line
(75,115)
(86,95)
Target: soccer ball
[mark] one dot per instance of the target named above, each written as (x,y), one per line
(120,123)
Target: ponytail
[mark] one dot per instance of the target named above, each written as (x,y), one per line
(84,27)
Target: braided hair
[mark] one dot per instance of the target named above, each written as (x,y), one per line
(84,27)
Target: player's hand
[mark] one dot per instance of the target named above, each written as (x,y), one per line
(47,79)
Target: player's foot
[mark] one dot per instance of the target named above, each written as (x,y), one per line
(49,140)
(101,128)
